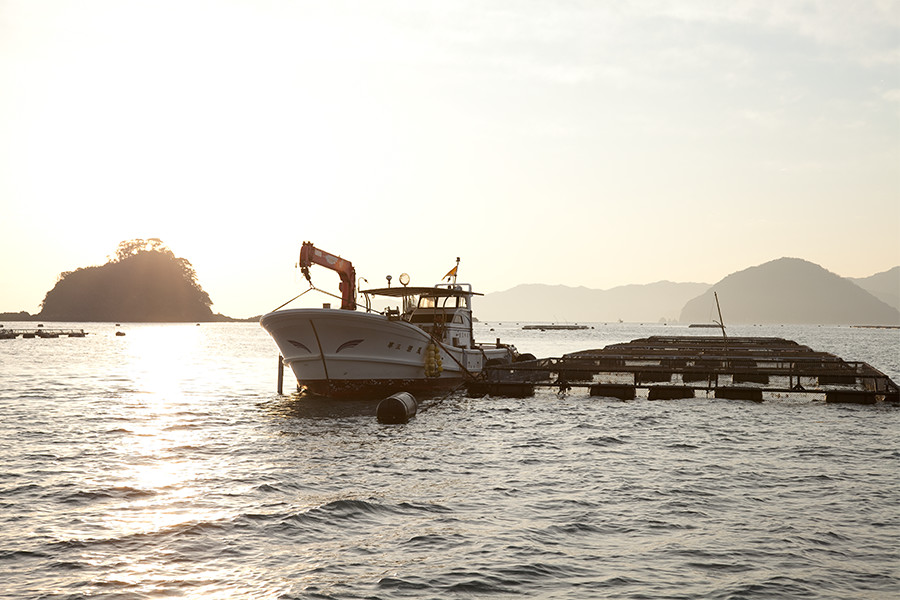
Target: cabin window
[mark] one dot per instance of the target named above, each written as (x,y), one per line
(441,302)
(427,302)
(409,303)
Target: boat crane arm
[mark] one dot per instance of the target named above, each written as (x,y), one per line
(310,255)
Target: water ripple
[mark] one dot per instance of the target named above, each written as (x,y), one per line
(194,480)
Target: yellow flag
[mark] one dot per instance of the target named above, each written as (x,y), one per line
(451,273)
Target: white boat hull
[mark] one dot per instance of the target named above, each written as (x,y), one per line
(350,354)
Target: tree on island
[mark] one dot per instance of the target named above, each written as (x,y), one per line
(144,281)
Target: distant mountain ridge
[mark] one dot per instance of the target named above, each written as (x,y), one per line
(885,286)
(652,302)
(787,290)
(791,290)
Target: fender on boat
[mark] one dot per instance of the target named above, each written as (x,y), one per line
(398,408)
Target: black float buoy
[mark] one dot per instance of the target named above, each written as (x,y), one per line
(399,408)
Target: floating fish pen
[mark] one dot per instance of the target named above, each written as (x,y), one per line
(666,367)
(11,334)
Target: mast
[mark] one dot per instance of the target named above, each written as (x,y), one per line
(721,323)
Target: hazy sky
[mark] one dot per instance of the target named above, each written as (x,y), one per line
(581,143)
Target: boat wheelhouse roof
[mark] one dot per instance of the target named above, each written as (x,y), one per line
(440,292)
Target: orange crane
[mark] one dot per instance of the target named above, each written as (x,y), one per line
(310,255)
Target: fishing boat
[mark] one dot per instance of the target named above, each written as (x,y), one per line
(424,344)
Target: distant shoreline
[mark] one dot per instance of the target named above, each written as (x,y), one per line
(14,317)
(24,316)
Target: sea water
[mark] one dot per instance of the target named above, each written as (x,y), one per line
(163,464)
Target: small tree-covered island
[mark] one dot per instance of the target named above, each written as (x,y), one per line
(143,282)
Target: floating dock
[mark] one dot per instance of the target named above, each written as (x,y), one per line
(741,368)
(40,332)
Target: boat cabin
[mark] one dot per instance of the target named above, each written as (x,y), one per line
(444,311)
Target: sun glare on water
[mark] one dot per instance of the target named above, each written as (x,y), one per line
(159,360)
(155,479)
(163,479)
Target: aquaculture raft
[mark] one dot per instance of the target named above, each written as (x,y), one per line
(670,367)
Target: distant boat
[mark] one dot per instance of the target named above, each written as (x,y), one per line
(554,327)
(720,324)
(350,353)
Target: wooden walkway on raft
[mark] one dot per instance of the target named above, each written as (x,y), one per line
(40,332)
(741,368)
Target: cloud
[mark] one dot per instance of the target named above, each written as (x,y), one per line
(892,96)
(825,21)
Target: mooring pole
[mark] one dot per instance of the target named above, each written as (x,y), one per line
(280,375)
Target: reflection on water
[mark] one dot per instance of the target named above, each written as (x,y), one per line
(159,358)
(157,472)
(301,406)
